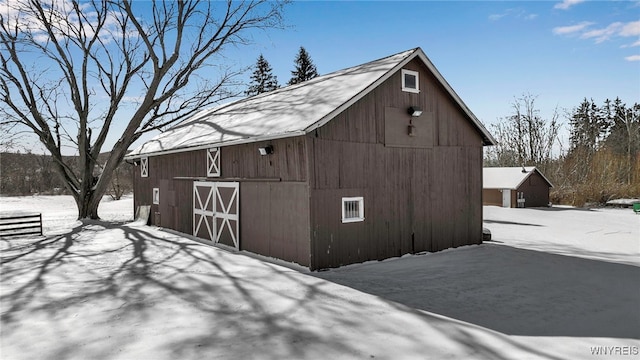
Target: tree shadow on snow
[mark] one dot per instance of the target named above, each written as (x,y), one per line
(509,290)
(130,280)
(134,287)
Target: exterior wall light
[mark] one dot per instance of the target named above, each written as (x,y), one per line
(415,111)
(266,150)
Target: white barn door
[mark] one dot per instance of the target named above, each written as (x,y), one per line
(227,216)
(203,210)
(216,213)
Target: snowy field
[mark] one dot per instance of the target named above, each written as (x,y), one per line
(558,283)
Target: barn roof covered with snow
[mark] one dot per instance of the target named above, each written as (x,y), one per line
(290,111)
(508,177)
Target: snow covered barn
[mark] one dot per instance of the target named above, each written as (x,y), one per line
(515,187)
(369,162)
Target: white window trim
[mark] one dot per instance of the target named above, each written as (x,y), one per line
(213,162)
(144,167)
(156,196)
(414,73)
(360,217)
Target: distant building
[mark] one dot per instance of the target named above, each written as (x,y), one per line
(515,187)
(366,163)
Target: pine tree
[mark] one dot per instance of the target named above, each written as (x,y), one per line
(588,125)
(262,80)
(304,68)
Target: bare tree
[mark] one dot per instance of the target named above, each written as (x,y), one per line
(525,137)
(70,70)
(625,134)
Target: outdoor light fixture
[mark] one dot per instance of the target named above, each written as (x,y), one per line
(266,150)
(415,111)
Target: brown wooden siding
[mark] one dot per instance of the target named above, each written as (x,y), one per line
(287,163)
(536,191)
(174,173)
(492,197)
(274,219)
(421,194)
(273,212)
(415,200)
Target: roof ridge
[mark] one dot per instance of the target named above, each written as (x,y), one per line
(325,76)
(294,86)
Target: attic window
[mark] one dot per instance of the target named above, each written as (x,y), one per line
(144,167)
(410,81)
(213,162)
(352,209)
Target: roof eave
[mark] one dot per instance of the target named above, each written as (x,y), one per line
(252,139)
(535,169)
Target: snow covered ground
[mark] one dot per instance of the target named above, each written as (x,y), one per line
(559,283)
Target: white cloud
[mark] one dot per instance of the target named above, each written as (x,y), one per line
(633,58)
(496,17)
(571,29)
(637,43)
(517,13)
(62,16)
(566,4)
(586,31)
(631,29)
(604,34)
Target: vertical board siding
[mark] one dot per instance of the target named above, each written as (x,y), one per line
(536,191)
(274,214)
(419,194)
(274,219)
(288,161)
(176,198)
(492,197)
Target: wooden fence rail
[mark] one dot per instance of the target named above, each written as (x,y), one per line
(20,224)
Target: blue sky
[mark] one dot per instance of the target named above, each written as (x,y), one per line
(489,51)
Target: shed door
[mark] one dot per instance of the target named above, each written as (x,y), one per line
(216,212)
(506,198)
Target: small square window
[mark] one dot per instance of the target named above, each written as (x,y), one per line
(410,81)
(144,167)
(156,196)
(352,209)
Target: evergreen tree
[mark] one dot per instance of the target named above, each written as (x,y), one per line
(588,126)
(304,68)
(262,80)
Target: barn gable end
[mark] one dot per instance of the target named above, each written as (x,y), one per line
(422,192)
